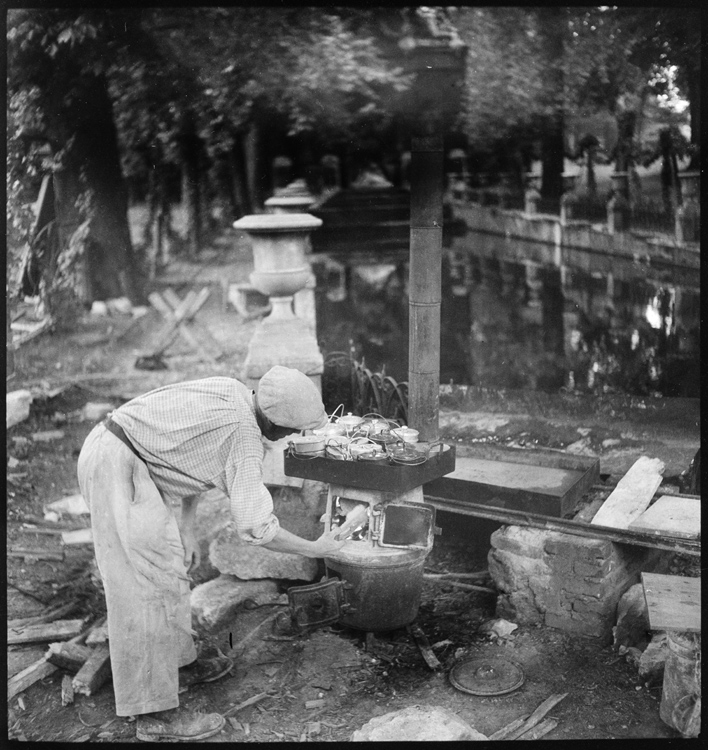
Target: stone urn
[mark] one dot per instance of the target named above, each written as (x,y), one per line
(294,198)
(281,269)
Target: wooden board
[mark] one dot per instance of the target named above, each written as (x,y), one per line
(673,602)
(671,516)
(35,672)
(632,495)
(60,630)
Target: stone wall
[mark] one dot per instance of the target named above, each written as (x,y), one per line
(565,581)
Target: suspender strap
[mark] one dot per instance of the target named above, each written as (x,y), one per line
(117,430)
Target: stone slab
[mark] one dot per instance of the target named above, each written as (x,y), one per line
(230,555)
(216,602)
(417,724)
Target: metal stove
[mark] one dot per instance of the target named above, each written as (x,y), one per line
(374,581)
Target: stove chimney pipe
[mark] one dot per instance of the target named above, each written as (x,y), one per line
(424,283)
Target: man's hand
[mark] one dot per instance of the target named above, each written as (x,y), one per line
(192,556)
(328,543)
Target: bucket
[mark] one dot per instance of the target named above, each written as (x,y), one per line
(386,585)
(681,695)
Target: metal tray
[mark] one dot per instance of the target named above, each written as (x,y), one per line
(373,475)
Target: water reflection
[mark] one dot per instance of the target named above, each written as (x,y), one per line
(521,323)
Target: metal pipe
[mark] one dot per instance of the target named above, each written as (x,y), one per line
(424,285)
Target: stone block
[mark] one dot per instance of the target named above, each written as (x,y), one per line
(520,540)
(230,555)
(524,584)
(17,407)
(632,626)
(216,603)
(653,660)
(417,724)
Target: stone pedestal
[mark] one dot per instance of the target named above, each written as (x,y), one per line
(563,581)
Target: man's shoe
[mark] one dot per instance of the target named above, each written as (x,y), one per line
(203,670)
(179,726)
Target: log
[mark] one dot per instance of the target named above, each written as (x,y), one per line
(632,495)
(60,630)
(28,676)
(424,646)
(68,655)
(95,671)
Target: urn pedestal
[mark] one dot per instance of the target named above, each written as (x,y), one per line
(281,269)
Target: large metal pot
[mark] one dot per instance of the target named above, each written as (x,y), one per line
(384,585)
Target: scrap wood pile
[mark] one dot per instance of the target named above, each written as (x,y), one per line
(75,646)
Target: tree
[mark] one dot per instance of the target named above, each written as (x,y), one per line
(58,91)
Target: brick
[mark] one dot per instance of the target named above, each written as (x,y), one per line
(578,547)
(599,569)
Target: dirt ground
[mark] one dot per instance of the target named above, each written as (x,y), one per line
(355,678)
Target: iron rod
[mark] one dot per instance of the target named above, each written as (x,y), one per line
(566,526)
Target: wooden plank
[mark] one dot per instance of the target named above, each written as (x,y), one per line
(537,715)
(632,495)
(673,602)
(22,680)
(48,616)
(546,726)
(95,671)
(671,516)
(423,644)
(60,630)
(67,690)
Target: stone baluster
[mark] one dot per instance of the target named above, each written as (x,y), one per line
(688,214)
(618,205)
(532,196)
(569,199)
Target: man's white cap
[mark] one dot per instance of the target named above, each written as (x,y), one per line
(288,398)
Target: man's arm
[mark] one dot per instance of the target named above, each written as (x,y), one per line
(285,541)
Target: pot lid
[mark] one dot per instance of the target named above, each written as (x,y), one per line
(488,675)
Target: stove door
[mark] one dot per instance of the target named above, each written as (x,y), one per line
(317,604)
(407,525)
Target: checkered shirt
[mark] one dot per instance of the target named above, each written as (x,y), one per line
(201,434)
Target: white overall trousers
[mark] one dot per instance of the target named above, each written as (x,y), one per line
(140,557)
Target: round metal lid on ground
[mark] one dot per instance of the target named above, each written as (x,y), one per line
(490,675)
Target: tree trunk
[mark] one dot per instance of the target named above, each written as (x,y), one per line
(254,171)
(694,108)
(239,181)
(553,143)
(95,156)
(190,147)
